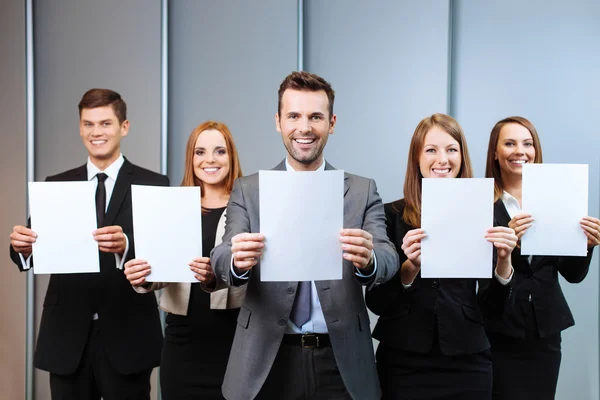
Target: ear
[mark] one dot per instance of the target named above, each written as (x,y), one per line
(495,155)
(125,128)
(332,123)
(277,122)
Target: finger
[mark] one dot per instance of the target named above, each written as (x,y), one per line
(110,237)
(18,243)
(200,266)
(23,230)
(248,237)
(137,276)
(357,260)
(23,237)
(138,282)
(416,238)
(134,262)
(356,232)
(203,260)
(107,230)
(357,250)
(131,269)
(592,220)
(201,272)
(357,241)
(506,235)
(590,225)
(246,246)
(241,255)
(244,265)
(523,221)
(412,248)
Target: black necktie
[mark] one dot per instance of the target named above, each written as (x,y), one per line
(100,199)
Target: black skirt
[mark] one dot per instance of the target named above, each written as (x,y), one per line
(525,368)
(406,375)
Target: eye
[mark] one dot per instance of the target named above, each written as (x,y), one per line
(430,151)
(199,152)
(452,150)
(293,116)
(316,118)
(529,144)
(509,144)
(221,152)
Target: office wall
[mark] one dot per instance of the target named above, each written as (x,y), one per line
(226,61)
(12,183)
(541,60)
(80,45)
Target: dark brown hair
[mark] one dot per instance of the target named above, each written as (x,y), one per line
(413,180)
(492,167)
(301,80)
(95,98)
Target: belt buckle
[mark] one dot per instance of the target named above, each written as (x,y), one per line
(311,338)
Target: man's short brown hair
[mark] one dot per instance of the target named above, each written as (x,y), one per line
(301,80)
(95,98)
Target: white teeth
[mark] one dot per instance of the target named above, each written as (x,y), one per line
(98,141)
(211,169)
(518,161)
(305,141)
(441,171)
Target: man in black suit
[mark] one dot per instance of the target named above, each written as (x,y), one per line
(98,337)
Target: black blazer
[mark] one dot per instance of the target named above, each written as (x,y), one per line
(408,318)
(129,323)
(538,284)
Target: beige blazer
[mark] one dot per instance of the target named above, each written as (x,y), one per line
(175,297)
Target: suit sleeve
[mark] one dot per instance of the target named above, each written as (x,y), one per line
(237,221)
(492,295)
(374,223)
(575,269)
(381,299)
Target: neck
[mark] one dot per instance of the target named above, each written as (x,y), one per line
(298,166)
(514,185)
(214,196)
(102,164)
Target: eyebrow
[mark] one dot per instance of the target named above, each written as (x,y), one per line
(216,148)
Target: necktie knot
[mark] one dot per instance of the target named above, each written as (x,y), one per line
(101,176)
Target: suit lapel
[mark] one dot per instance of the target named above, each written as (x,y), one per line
(329,167)
(80,174)
(122,187)
(502,217)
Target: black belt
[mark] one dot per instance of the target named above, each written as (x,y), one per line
(308,340)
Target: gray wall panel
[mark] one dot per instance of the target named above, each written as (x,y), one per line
(13,210)
(387,62)
(226,61)
(541,60)
(84,44)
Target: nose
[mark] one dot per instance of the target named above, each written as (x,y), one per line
(520,149)
(442,158)
(304,126)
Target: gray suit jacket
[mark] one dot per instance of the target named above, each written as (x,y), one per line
(264,314)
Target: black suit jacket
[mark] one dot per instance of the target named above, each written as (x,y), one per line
(537,284)
(410,317)
(129,323)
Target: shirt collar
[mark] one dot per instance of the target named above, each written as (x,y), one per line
(112,171)
(288,167)
(508,198)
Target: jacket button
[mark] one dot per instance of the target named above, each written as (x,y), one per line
(282,321)
(434,284)
(290,290)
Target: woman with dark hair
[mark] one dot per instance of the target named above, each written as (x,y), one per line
(432,340)
(526,341)
(201,321)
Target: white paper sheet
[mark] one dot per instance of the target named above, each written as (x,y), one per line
(456,213)
(167,224)
(63,214)
(556,195)
(301,215)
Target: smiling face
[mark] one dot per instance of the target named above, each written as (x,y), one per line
(440,157)
(101,133)
(305,125)
(211,160)
(514,148)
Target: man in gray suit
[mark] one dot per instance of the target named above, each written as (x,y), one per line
(304,340)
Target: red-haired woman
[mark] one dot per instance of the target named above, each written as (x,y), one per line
(200,324)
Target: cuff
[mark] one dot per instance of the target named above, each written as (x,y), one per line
(245,275)
(25,263)
(372,274)
(120,260)
(503,281)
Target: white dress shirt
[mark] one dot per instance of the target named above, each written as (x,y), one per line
(513,208)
